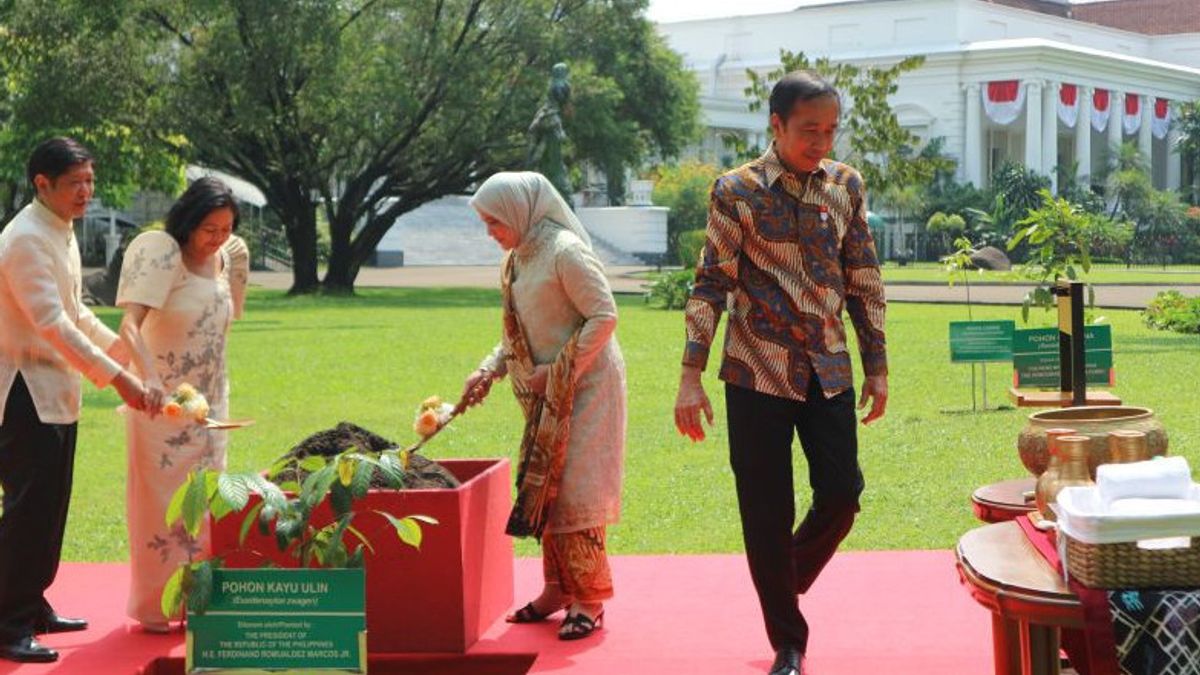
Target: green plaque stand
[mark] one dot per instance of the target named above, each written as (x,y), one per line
(981,342)
(281,620)
(1067,358)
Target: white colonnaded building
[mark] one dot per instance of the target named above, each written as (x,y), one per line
(1039,82)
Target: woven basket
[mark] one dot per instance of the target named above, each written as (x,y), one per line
(1125,565)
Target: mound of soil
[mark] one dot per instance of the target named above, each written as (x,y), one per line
(422,472)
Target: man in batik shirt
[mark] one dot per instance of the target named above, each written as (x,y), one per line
(787,250)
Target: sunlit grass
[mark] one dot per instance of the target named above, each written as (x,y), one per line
(301,365)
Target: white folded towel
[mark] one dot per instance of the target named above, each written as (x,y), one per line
(1168,477)
(1141,506)
(1081,516)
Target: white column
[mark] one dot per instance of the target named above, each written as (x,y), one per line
(1050,134)
(973,137)
(1174,161)
(1145,137)
(1116,120)
(1033,125)
(1083,136)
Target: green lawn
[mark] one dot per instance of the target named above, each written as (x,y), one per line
(300,365)
(1101,274)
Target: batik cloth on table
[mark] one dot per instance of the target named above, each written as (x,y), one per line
(1156,631)
(1132,631)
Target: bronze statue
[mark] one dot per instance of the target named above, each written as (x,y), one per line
(546,134)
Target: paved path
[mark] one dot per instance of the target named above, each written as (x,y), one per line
(1114,295)
(626,279)
(446,276)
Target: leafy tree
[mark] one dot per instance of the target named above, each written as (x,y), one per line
(81,69)
(946,228)
(1188,124)
(1128,181)
(878,146)
(967,202)
(1159,217)
(1015,192)
(366,110)
(1060,236)
(1190,239)
(1072,190)
(684,188)
(1161,226)
(633,96)
(363,110)
(908,202)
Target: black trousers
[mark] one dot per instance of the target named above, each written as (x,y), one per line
(36,466)
(782,562)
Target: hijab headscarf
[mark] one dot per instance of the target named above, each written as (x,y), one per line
(522,200)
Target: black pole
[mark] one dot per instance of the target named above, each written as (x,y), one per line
(1078,346)
(1065,368)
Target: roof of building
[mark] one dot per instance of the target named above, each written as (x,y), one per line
(1149,17)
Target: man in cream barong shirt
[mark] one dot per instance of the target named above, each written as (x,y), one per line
(48,338)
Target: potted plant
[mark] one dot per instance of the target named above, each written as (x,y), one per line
(325,605)
(439,598)
(285,512)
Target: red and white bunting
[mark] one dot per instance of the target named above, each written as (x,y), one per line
(1002,100)
(1132,120)
(1068,105)
(1161,122)
(1100,110)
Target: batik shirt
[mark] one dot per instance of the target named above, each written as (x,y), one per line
(785,253)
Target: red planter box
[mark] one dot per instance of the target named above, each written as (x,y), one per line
(438,599)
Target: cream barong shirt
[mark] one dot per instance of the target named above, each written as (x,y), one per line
(47,334)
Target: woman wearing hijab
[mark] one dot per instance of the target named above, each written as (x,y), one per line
(568,375)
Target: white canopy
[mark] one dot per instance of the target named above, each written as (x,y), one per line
(243,190)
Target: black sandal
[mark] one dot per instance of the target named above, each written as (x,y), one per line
(579,626)
(528,614)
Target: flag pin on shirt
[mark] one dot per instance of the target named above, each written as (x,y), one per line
(824,214)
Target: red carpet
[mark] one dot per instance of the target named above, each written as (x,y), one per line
(872,612)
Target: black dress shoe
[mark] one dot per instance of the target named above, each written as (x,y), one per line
(788,661)
(59,624)
(27,650)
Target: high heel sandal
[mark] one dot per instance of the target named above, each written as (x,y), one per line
(530,614)
(580,625)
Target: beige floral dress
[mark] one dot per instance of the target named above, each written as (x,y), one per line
(185,332)
(560,288)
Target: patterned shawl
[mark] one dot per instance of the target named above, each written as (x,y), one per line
(547,421)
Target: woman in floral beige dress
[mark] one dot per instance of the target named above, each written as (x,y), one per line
(560,349)
(180,290)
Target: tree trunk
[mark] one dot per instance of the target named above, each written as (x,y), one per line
(301,227)
(343,269)
(348,254)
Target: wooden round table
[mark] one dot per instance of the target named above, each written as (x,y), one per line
(998,502)
(1028,600)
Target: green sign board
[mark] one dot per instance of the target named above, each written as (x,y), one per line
(281,619)
(981,341)
(1035,357)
